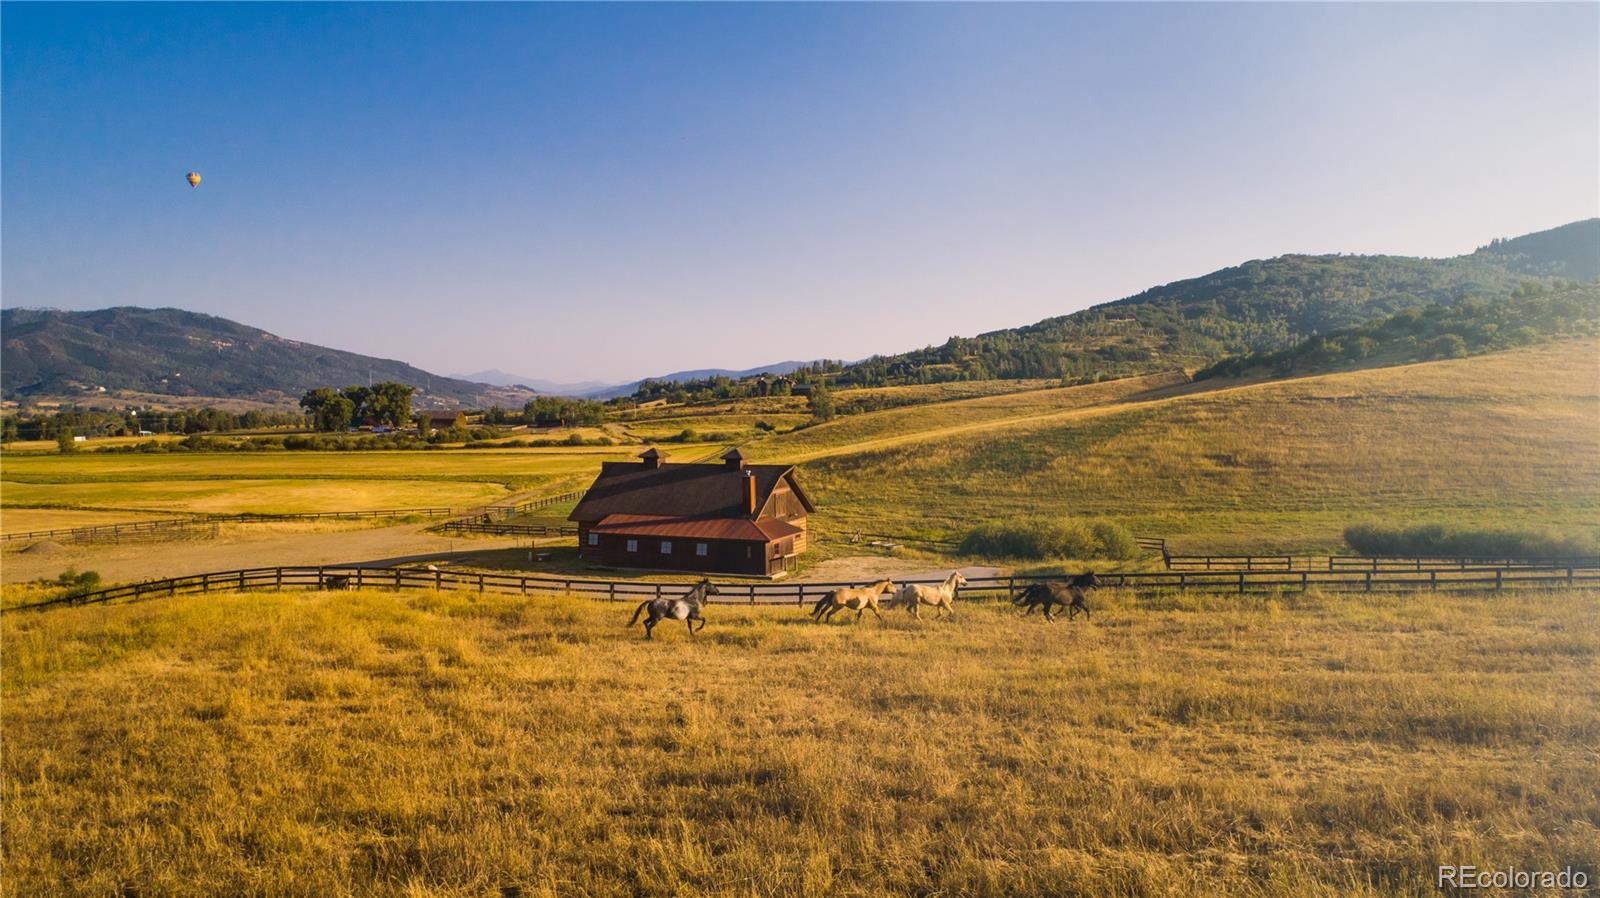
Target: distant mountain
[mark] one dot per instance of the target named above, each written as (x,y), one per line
(628,389)
(178,353)
(1260,306)
(1570,251)
(505,379)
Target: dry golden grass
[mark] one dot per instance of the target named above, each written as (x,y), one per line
(426,744)
(1512,438)
(22,520)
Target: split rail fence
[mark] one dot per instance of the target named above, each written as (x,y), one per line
(356,577)
(136,527)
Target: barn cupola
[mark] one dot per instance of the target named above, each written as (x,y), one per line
(733,459)
(652,458)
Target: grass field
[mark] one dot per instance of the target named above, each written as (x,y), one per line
(291,482)
(1283,465)
(453,744)
(22,520)
(1507,439)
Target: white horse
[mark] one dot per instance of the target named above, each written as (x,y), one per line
(915,595)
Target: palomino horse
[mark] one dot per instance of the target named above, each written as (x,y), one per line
(685,608)
(1054,592)
(858,598)
(915,595)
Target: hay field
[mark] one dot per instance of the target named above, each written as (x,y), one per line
(1510,438)
(424,744)
(292,482)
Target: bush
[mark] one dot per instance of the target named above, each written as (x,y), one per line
(1116,541)
(77,584)
(1050,538)
(1439,540)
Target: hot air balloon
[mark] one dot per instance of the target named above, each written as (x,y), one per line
(193,178)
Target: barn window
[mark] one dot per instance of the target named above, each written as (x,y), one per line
(594,539)
(633,545)
(700,549)
(666,547)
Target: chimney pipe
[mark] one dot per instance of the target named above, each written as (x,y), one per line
(749,493)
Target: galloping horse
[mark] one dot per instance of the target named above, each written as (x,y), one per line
(915,595)
(1054,592)
(685,608)
(858,598)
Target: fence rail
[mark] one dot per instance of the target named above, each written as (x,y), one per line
(501,528)
(493,513)
(133,527)
(1335,563)
(343,576)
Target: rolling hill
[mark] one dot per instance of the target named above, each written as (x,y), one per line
(1259,306)
(178,353)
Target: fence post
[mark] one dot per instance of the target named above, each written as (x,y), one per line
(205,582)
(396,578)
(658,590)
(1369,581)
(480,583)
(241,580)
(524,585)
(1305,580)
(1433,580)
(277,582)
(1241,582)
(611,590)
(800,594)
(1499,579)
(359,572)
(1569,576)
(1180,579)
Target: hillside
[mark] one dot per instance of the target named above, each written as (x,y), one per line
(1262,305)
(1571,251)
(179,353)
(1505,438)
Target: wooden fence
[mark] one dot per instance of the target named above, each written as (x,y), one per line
(1335,563)
(493,513)
(502,528)
(340,577)
(136,527)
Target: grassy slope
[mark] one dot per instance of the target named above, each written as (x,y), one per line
(1506,438)
(429,745)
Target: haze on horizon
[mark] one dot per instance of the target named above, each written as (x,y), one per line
(611,191)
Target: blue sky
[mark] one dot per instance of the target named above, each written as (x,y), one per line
(611,191)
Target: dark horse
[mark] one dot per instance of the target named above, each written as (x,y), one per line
(685,608)
(1054,592)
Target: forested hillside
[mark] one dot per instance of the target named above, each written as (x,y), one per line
(179,353)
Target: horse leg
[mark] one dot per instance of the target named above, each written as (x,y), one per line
(876,614)
(1047,613)
(649,627)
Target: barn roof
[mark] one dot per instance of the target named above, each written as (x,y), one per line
(680,491)
(694,528)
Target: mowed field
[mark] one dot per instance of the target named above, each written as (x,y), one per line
(1511,438)
(293,482)
(424,744)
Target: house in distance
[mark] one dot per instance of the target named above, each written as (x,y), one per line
(729,517)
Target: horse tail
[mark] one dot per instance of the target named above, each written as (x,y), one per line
(822,603)
(638,611)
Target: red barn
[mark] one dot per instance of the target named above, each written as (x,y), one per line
(730,518)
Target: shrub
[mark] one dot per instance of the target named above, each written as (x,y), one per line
(1116,541)
(1050,538)
(77,584)
(1439,540)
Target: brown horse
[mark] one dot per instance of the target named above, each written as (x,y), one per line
(915,595)
(858,598)
(1054,592)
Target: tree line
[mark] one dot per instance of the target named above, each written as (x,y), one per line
(383,404)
